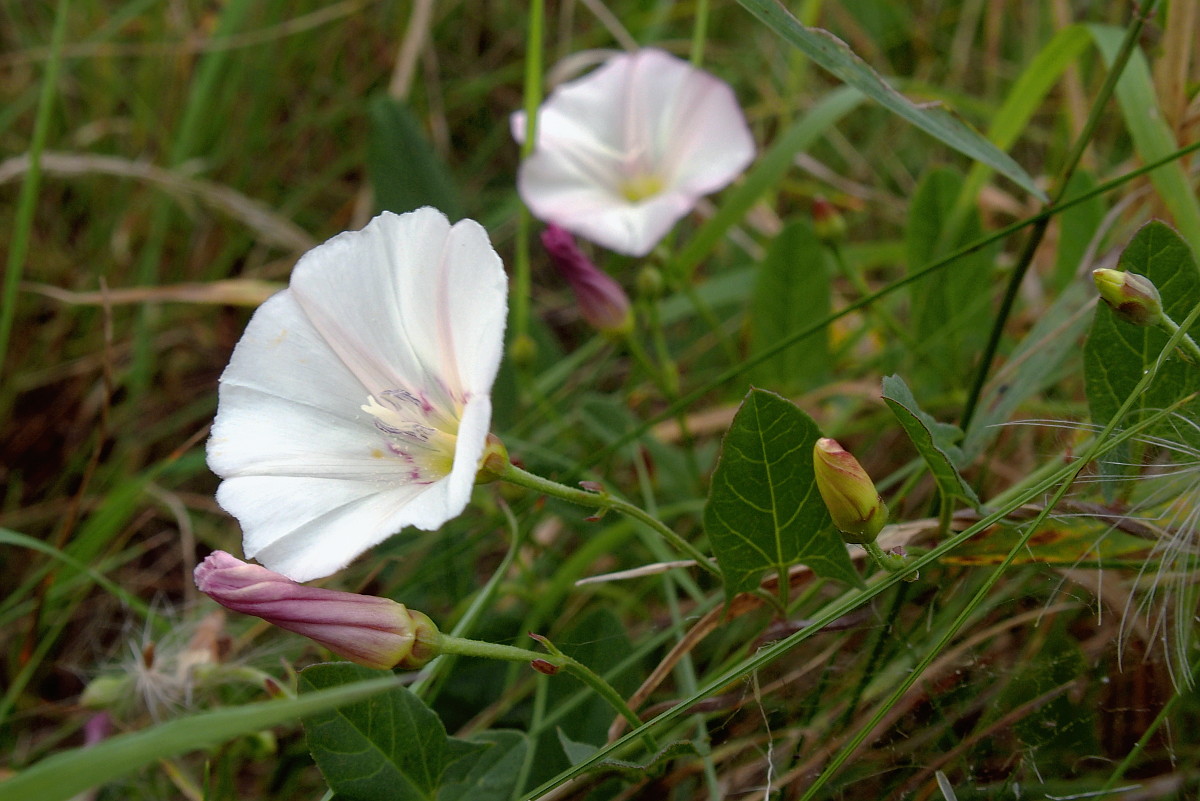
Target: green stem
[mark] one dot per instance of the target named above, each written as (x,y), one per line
(859,283)
(600,500)
(1039,228)
(522,280)
(699,34)
(448,644)
(889,562)
(1186,343)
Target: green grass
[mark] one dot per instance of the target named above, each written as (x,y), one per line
(194,143)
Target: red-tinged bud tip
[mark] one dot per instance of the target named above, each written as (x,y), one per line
(828,223)
(849,494)
(1134,298)
(602,301)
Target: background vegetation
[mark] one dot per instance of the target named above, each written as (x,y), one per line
(190,151)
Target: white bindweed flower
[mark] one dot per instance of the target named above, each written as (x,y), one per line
(625,151)
(358,400)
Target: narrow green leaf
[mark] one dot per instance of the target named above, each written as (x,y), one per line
(388,747)
(64,775)
(1023,100)
(1076,228)
(764,512)
(406,173)
(1152,136)
(1036,363)
(791,291)
(1117,353)
(764,176)
(832,54)
(488,775)
(935,441)
(947,307)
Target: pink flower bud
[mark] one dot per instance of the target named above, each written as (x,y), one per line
(375,632)
(601,300)
(849,494)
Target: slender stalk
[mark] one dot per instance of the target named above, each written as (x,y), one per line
(699,33)
(1186,343)
(1039,228)
(18,247)
(448,644)
(600,500)
(522,280)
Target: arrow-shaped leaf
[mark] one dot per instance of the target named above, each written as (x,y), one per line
(764,511)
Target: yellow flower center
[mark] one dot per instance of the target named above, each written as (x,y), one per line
(416,432)
(640,187)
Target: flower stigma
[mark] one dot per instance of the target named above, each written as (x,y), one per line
(417,432)
(641,186)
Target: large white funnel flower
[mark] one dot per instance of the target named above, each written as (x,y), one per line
(628,149)
(358,400)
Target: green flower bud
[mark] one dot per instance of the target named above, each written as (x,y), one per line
(1133,297)
(650,282)
(849,494)
(523,351)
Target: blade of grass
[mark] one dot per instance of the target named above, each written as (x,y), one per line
(18,248)
(62,776)
(1152,136)
(765,175)
(833,55)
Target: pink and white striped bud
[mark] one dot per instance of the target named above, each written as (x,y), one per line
(849,494)
(374,632)
(602,301)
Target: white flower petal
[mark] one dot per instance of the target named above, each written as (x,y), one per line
(358,400)
(645,119)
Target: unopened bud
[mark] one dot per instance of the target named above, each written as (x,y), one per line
(374,632)
(522,351)
(1133,297)
(849,494)
(828,223)
(601,300)
(650,282)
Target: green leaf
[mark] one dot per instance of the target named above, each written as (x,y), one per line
(792,290)
(488,775)
(388,747)
(574,751)
(406,173)
(1023,100)
(934,441)
(65,775)
(947,307)
(764,511)
(1117,353)
(1152,137)
(835,56)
